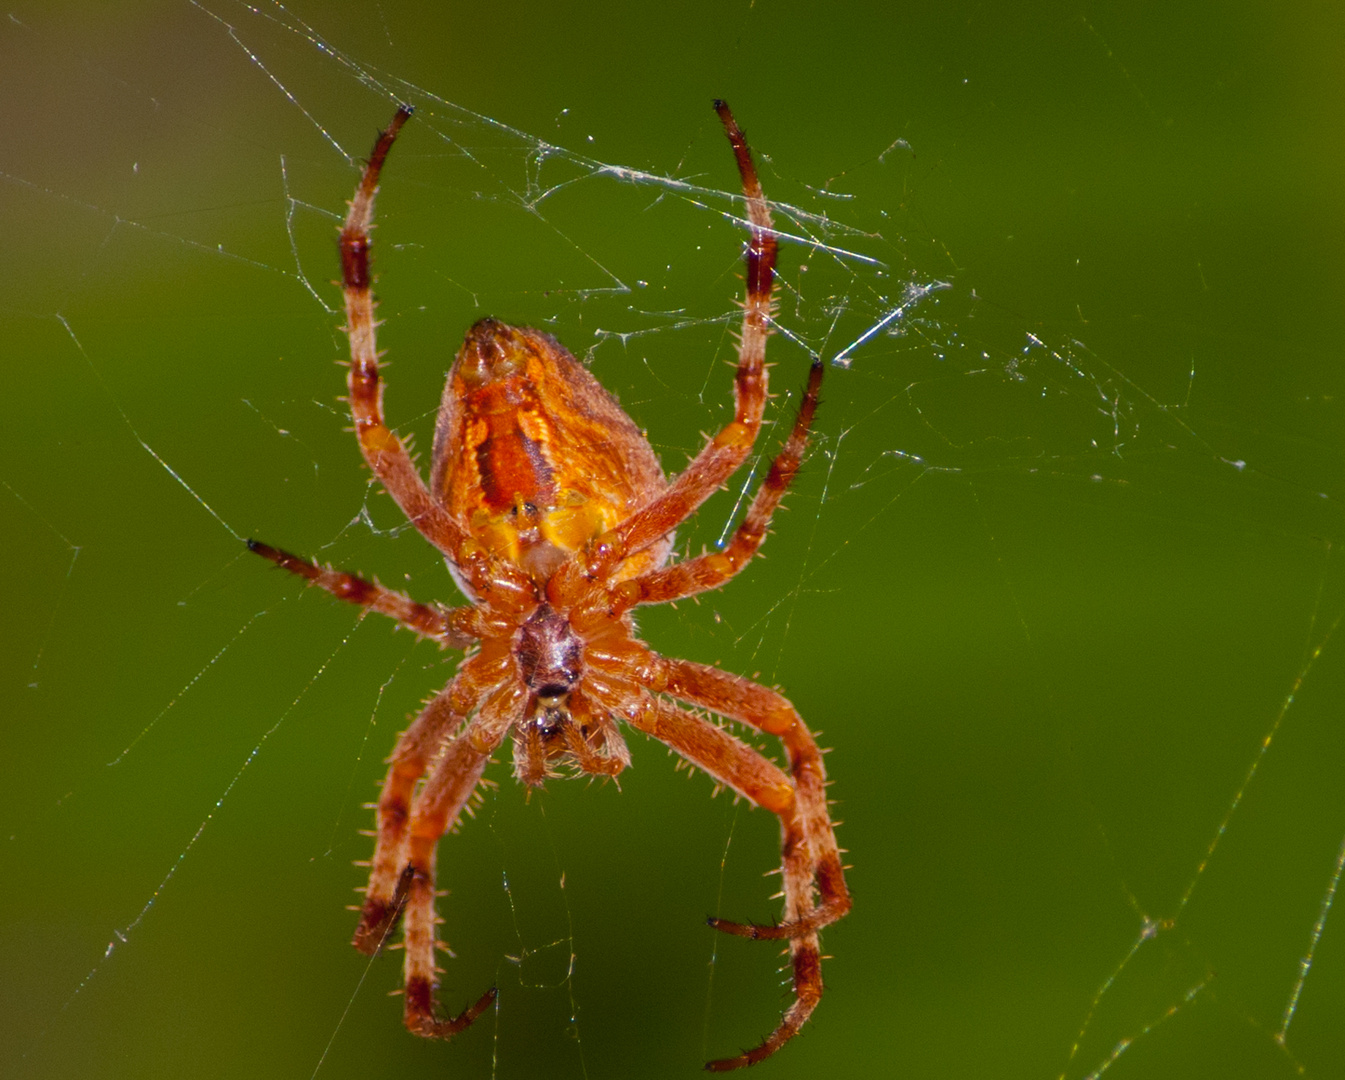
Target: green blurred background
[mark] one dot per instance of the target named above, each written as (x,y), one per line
(1062,560)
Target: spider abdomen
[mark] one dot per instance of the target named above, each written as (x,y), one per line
(533,456)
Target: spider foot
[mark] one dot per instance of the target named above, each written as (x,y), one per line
(420,1019)
(747,1057)
(378,918)
(807,993)
(823,915)
(784,931)
(777,1038)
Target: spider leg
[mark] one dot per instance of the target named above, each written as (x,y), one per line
(811,858)
(722,455)
(384,451)
(709,571)
(449,627)
(738,766)
(436,810)
(385,896)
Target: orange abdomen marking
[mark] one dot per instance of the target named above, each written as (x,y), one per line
(533,456)
(510,441)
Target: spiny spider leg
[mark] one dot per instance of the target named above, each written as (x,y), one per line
(448,626)
(738,766)
(436,810)
(811,858)
(721,456)
(385,453)
(385,896)
(711,570)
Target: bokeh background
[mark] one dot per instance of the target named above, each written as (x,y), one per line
(1060,583)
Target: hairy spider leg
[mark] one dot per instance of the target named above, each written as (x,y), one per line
(385,453)
(738,766)
(711,570)
(811,857)
(385,895)
(446,793)
(721,455)
(451,627)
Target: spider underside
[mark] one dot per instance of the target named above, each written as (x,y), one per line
(556,521)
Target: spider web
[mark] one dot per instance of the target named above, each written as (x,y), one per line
(1060,582)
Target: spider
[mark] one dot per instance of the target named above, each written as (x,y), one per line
(556,521)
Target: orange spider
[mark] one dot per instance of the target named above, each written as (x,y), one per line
(556,521)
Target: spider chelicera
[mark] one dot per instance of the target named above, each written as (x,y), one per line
(556,521)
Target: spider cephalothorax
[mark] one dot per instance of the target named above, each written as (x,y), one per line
(556,520)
